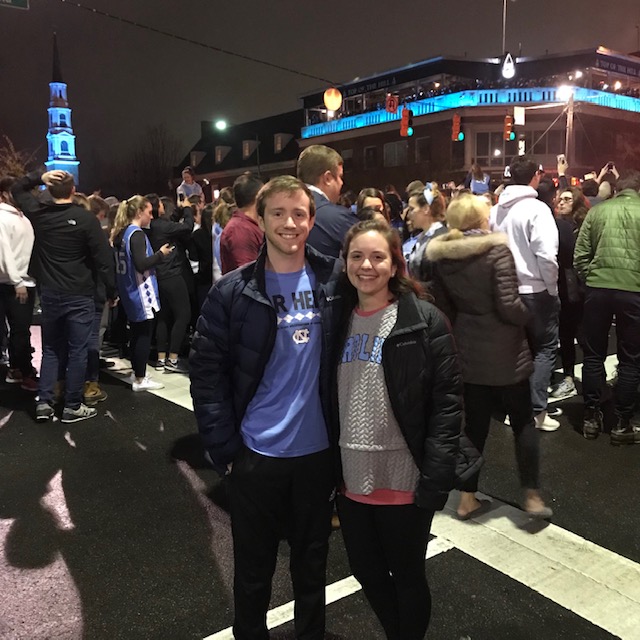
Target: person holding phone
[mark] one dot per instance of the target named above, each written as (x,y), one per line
(137,284)
(188,187)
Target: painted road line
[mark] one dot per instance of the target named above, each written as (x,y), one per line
(595,583)
(334,592)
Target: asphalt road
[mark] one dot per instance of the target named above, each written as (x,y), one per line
(114,528)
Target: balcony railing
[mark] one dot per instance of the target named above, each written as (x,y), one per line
(477,98)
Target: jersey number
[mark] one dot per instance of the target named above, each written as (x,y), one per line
(121,263)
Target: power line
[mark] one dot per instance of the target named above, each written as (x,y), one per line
(204,45)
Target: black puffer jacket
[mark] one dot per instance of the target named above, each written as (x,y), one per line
(423,380)
(163,231)
(235,335)
(476,285)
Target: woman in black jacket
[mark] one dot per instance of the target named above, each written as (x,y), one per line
(476,285)
(201,251)
(175,307)
(571,210)
(400,412)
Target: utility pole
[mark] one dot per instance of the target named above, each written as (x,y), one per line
(570,141)
(504,27)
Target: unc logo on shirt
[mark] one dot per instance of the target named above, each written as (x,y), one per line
(301,336)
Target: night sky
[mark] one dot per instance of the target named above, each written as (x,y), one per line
(122,77)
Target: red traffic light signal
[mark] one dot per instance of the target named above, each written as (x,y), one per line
(457,135)
(406,123)
(508,132)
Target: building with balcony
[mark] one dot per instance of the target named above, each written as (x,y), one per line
(584,104)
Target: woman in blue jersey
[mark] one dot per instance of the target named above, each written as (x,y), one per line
(136,280)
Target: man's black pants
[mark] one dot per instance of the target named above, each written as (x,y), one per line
(599,308)
(271,499)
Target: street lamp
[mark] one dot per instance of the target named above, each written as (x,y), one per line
(221,125)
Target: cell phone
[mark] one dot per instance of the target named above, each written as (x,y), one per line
(180,197)
(562,159)
(590,176)
(610,165)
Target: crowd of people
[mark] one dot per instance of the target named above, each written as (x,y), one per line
(350,345)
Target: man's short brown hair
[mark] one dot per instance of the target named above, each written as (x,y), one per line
(315,160)
(283,184)
(62,189)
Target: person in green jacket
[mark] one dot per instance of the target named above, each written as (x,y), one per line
(607,259)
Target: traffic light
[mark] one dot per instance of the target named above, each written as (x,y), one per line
(508,133)
(406,123)
(457,135)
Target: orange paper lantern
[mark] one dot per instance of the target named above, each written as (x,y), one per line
(332,99)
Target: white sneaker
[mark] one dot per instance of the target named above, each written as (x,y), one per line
(147,384)
(564,389)
(545,423)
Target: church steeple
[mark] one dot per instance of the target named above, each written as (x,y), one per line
(60,139)
(57,71)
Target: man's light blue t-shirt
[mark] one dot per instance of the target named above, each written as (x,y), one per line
(284,419)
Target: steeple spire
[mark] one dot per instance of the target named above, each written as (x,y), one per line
(60,139)
(57,72)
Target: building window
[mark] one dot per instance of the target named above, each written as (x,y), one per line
(550,144)
(491,149)
(370,157)
(63,119)
(280,141)
(423,149)
(347,158)
(64,147)
(396,154)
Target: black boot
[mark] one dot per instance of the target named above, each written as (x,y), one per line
(592,423)
(624,433)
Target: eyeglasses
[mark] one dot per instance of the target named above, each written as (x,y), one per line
(565,199)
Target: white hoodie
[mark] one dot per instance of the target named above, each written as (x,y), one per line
(533,237)
(16,243)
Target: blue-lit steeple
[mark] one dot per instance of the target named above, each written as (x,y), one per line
(61,142)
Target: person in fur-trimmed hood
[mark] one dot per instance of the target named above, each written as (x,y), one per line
(476,285)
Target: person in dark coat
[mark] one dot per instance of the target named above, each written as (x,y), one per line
(175,311)
(426,208)
(571,211)
(259,368)
(476,285)
(321,168)
(399,396)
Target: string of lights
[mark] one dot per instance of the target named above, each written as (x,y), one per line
(197,43)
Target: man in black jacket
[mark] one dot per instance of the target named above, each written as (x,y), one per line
(260,367)
(70,252)
(321,168)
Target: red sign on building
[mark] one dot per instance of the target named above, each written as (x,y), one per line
(392,103)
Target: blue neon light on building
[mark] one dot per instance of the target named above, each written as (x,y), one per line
(475,98)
